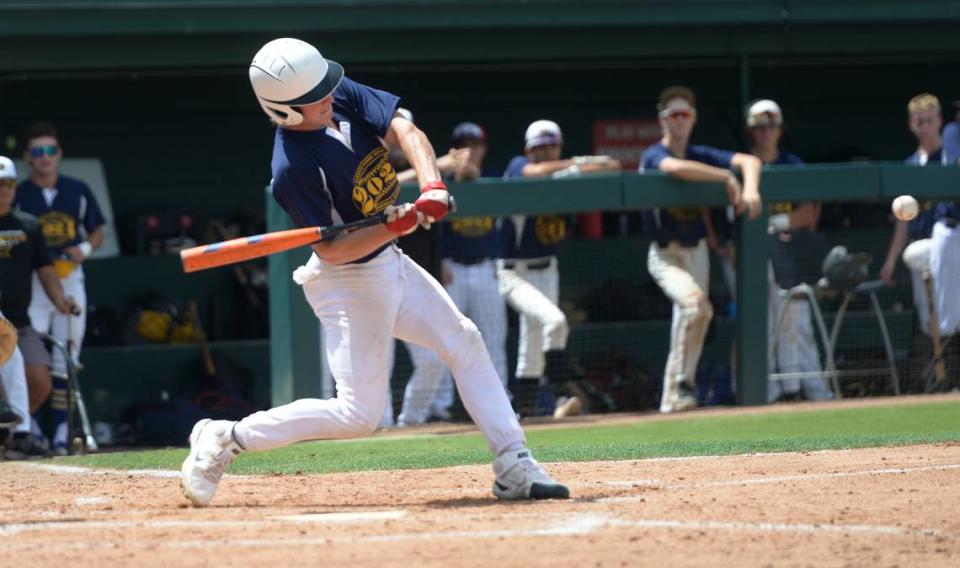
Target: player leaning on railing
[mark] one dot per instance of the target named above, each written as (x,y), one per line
(329,166)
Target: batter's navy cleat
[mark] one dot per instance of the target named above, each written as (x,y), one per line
(519,476)
(212,448)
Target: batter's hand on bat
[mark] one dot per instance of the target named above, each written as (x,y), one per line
(434,201)
(402,219)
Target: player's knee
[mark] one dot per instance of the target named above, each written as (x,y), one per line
(463,342)
(697,308)
(361,421)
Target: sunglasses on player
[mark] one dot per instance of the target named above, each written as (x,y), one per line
(677,113)
(45,150)
(8,183)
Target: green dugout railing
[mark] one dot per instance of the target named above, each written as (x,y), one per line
(295,348)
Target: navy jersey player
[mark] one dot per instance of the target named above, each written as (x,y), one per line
(528,274)
(329,166)
(73,227)
(678,259)
(793,226)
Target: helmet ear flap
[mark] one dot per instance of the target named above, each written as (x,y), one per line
(284,115)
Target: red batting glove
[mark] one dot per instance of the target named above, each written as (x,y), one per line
(402,219)
(434,201)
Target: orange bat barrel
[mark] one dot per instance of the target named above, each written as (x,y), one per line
(246,248)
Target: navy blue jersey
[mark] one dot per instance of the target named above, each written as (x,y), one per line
(72,206)
(469,239)
(951,143)
(785,158)
(921,226)
(540,235)
(682,224)
(947,210)
(531,236)
(329,176)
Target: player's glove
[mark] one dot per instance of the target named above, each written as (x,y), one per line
(434,201)
(8,339)
(402,219)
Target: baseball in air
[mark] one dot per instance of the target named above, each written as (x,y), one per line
(905,207)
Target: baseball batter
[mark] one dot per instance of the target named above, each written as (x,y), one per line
(73,227)
(678,260)
(330,166)
(528,272)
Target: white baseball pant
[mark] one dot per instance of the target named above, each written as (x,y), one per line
(543,327)
(945,270)
(474,290)
(917,258)
(361,306)
(683,273)
(797,350)
(45,318)
(13,377)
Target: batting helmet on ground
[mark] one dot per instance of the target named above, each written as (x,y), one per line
(287,73)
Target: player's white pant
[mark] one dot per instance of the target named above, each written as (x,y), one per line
(917,258)
(361,306)
(13,377)
(543,327)
(796,347)
(428,372)
(683,273)
(45,318)
(945,270)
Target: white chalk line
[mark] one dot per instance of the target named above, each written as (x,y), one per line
(767,480)
(567,525)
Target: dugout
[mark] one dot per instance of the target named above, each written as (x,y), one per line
(158,91)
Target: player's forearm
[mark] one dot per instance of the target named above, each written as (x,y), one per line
(689,170)
(420,154)
(547,168)
(749,166)
(898,242)
(355,245)
(96,237)
(51,284)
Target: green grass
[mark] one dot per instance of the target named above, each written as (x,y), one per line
(693,436)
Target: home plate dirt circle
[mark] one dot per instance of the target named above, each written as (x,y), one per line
(878,506)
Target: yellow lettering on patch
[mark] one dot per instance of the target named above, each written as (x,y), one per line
(375,183)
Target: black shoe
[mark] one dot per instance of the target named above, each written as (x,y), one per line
(7,416)
(27,446)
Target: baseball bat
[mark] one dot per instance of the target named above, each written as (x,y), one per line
(939,368)
(246,248)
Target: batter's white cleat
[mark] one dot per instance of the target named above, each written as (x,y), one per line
(212,449)
(519,476)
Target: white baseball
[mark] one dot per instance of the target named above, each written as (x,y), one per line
(905,207)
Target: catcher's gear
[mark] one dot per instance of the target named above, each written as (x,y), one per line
(8,340)
(844,270)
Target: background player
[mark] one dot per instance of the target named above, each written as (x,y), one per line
(73,227)
(793,226)
(23,256)
(528,275)
(678,260)
(330,165)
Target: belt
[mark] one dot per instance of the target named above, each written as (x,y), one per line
(470,261)
(664,243)
(950,222)
(535,265)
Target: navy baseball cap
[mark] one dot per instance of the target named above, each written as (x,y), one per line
(468,131)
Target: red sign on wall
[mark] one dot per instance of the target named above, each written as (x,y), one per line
(625,138)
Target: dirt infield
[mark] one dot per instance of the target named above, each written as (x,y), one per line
(877,507)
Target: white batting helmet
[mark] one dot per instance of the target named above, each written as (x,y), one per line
(288,72)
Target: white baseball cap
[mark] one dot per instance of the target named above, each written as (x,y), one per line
(7,169)
(543,132)
(764,112)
